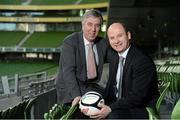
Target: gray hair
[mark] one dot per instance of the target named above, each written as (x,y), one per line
(94,13)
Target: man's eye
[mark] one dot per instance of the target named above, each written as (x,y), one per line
(112,38)
(89,24)
(97,25)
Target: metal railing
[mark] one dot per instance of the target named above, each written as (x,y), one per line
(29,50)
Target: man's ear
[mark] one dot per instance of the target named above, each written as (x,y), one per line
(129,35)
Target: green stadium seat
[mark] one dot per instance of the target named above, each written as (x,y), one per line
(5,114)
(175,115)
(18,114)
(70,113)
(170,69)
(58,111)
(28,109)
(175,69)
(20,111)
(174,79)
(153,115)
(12,112)
(163,69)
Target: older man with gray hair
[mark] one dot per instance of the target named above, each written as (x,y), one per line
(81,61)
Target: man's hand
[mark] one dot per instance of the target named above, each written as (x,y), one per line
(103,113)
(76,100)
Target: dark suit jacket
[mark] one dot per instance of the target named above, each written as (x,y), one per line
(139,82)
(72,77)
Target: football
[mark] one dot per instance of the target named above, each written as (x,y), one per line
(91,103)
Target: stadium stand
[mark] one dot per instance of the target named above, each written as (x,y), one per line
(42,23)
(45,39)
(20,111)
(9,38)
(62,112)
(152,113)
(9,101)
(33,108)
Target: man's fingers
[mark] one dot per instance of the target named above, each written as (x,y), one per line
(95,116)
(76,100)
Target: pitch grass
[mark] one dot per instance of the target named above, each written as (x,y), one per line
(21,68)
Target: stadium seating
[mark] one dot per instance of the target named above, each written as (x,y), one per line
(56,112)
(37,43)
(70,113)
(28,112)
(20,111)
(153,115)
(168,72)
(9,38)
(45,39)
(62,112)
(175,114)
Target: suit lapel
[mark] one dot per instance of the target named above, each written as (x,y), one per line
(129,59)
(114,65)
(112,75)
(100,53)
(81,49)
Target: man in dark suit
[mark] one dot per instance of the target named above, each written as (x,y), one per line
(73,80)
(129,92)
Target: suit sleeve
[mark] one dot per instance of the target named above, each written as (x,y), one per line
(142,74)
(68,66)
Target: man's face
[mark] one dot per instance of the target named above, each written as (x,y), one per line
(118,38)
(91,27)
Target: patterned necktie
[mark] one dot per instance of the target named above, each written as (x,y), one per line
(121,59)
(91,65)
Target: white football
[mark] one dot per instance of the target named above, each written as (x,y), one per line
(91,103)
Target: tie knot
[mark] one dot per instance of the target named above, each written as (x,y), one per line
(121,58)
(90,44)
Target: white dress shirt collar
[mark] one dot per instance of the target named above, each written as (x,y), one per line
(124,54)
(86,42)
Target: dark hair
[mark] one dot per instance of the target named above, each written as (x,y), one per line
(92,12)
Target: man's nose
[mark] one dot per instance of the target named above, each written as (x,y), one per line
(94,28)
(116,40)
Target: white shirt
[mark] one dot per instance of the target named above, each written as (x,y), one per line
(86,42)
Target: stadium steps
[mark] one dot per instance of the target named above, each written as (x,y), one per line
(9,101)
(24,39)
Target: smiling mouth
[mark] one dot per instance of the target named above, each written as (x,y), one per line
(92,35)
(118,45)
